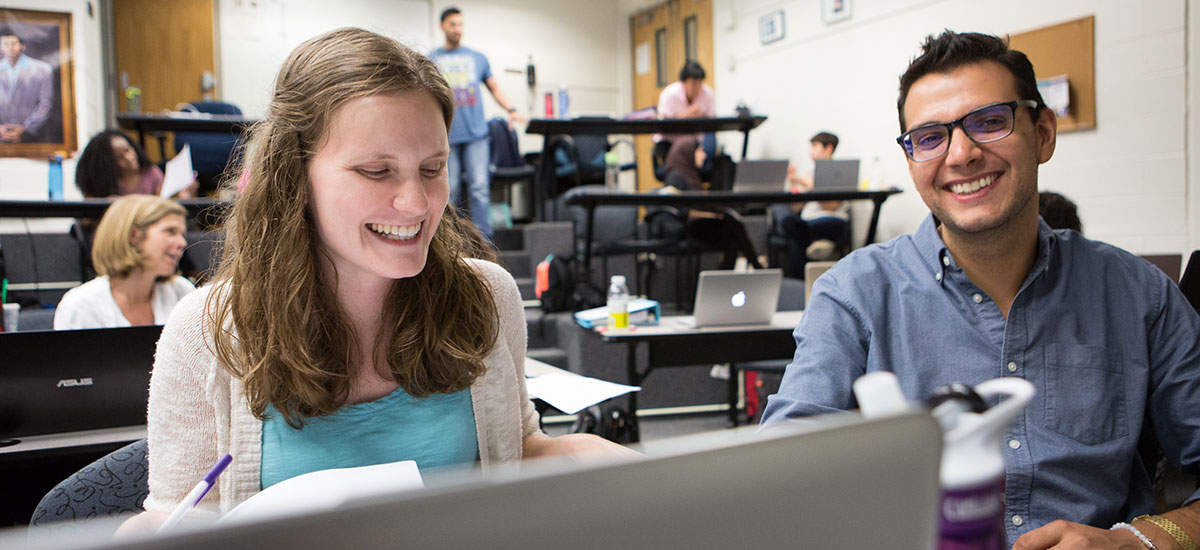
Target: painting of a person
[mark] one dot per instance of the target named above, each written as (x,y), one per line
(26,91)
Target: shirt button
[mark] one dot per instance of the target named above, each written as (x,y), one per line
(946,260)
(1018,520)
(1012,367)
(937,276)
(1014,444)
(977,297)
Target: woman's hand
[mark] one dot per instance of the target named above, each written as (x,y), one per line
(581,448)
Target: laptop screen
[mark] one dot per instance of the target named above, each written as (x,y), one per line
(73,380)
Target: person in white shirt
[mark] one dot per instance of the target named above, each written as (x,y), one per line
(137,249)
(813,229)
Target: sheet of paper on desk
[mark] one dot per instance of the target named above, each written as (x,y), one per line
(325,490)
(571,393)
(178,175)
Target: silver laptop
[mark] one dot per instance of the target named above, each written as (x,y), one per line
(736,297)
(758,176)
(835,175)
(835,482)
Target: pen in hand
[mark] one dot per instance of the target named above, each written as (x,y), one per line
(196,495)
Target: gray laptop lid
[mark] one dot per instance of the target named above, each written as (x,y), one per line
(837,482)
(761,176)
(60,381)
(835,175)
(737,298)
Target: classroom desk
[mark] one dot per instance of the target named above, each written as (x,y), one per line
(606,125)
(589,200)
(200,122)
(90,208)
(672,343)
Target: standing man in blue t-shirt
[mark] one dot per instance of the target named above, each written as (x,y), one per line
(470,149)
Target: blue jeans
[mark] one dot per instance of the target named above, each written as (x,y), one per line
(800,233)
(470,161)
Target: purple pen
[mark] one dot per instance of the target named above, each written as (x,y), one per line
(196,494)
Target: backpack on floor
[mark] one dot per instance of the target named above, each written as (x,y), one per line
(558,288)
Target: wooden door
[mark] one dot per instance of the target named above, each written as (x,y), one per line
(165,49)
(665,36)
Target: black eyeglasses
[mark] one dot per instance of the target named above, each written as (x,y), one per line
(983,125)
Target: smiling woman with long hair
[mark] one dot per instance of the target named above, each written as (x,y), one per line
(354,320)
(138,245)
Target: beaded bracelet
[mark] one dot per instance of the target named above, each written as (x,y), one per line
(1136,533)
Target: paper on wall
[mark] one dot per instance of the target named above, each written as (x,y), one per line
(642,54)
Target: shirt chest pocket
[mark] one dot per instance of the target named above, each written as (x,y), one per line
(1085,392)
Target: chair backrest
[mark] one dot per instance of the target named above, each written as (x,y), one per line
(113,485)
(611,223)
(54,261)
(211,152)
(505,149)
(201,257)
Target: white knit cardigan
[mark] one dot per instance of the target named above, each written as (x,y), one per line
(197,412)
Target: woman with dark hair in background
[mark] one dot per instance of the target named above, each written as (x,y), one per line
(113,165)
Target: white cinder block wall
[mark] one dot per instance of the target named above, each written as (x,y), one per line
(1129,175)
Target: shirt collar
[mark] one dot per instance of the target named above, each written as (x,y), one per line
(936,257)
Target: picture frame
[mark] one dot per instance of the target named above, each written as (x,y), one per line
(833,11)
(37,114)
(770,27)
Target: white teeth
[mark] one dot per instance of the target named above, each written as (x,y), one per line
(972,186)
(395,232)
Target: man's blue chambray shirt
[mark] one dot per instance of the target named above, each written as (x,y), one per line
(1106,338)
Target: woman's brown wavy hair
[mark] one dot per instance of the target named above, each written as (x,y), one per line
(275,322)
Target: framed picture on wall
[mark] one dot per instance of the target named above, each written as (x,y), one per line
(37,99)
(833,11)
(770,27)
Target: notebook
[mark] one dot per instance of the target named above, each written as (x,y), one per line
(736,298)
(759,176)
(835,175)
(61,381)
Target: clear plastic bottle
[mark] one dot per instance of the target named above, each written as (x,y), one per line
(612,170)
(564,102)
(618,303)
(55,182)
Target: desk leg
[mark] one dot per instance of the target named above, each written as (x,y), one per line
(734,373)
(634,380)
(745,143)
(874,220)
(587,243)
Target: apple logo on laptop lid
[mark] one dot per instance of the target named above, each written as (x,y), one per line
(739,299)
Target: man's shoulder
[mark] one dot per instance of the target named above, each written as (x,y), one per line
(39,66)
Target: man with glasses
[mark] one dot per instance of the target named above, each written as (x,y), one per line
(986,289)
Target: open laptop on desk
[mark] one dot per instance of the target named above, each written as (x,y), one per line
(835,175)
(760,176)
(838,482)
(736,297)
(74,380)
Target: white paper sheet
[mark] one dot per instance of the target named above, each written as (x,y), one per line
(178,174)
(325,490)
(571,393)
(642,56)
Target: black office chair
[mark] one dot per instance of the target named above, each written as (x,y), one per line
(567,162)
(211,152)
(114,485)
(616,232)
(507,166)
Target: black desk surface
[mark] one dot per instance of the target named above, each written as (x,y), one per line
(695,198)
(206,123)
(89,208)
(604,125)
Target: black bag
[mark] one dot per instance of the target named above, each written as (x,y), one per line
(615,424)
(559,290)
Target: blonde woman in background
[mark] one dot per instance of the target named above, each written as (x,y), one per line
(138,244)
